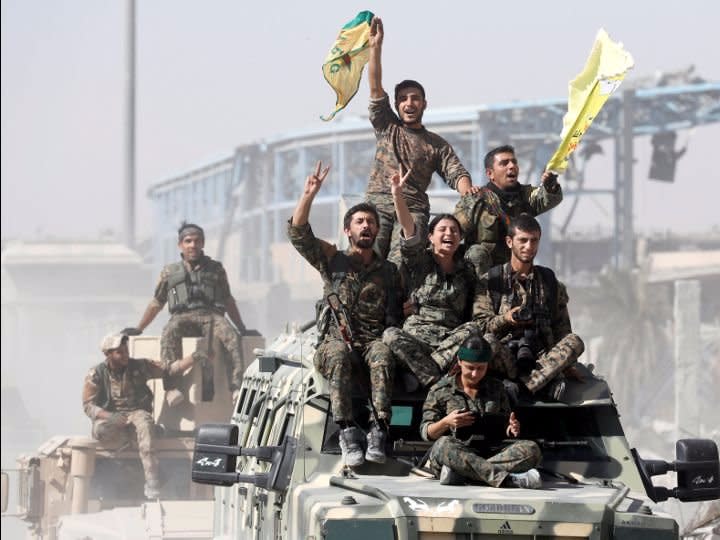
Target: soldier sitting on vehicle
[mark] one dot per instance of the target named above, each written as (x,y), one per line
(464,397)
(485,215)
(198,295)
(366,289)
(443,293)
(118,401)
(525,315)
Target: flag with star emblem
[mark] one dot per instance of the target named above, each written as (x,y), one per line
(604,70)
(344,64)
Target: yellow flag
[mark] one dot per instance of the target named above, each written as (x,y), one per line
(604,70)
(344,64)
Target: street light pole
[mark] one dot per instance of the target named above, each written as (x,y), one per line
(129,191)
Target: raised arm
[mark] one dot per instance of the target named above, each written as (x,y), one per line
(397,181)
(313,183)
(375,60)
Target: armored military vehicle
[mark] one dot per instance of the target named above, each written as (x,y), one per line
(279,472)
(75,487)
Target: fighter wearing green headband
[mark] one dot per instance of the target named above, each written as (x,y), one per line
(461,399)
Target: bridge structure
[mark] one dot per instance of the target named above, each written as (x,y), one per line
(245,199)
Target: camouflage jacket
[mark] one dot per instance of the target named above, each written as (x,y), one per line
(418,149)
(442,301)
(515,292)
(485,216)
(371,294)
(122,390)
(446,396)
(206,266)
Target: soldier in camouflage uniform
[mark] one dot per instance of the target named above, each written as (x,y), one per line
(368,287)
(524,297)
(485,215)
(118,401)
(443,292)
(403,141)
(198,295)
(455,402)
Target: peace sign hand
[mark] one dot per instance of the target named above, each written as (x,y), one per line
(397,181)
(314,181)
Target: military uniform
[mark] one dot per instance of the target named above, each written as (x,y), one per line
(125,391)
(418,149)
(447,396)
(370,296)
(485,217)
(197,296)
(444,305)
(558,346)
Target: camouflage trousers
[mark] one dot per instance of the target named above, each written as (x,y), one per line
(196,323)
(518,456)
(387,242)
(422,352)
(140,427)
(548,366)
(333,360)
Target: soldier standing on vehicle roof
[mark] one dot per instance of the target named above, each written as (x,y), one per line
(455,402)
(117,400)
(198,295)
(485,214)
(368,287)
(402,140)
(525,309)
(443,292)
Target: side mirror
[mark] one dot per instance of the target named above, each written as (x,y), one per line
(698,472)
(215,459)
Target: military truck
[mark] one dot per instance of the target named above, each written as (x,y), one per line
(279,474)
(74,487)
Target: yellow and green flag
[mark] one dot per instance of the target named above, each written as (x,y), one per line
(604,70)
(344,64)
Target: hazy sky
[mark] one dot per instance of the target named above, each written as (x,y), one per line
(214,74)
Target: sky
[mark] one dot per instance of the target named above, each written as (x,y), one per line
(213,75)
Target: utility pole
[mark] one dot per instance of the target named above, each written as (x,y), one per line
(129,191)
(624,161)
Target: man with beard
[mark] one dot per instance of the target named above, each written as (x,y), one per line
(368,288)
(525,313)
(403,141)
(485,215)
(198,295)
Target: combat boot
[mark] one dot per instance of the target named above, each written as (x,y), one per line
(529,479)
(350,439)
(448,477)
(376,444)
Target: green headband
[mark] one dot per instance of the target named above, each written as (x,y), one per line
(474,355)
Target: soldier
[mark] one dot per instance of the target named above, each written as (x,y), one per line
(443,293)
(525,313)
(117,400)
(367,286)
(457,401)
(485,215)
(198,295)
(403,140)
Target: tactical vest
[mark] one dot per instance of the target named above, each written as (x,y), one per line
(195,289)
(140,388)
(497,287)
(339,267)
